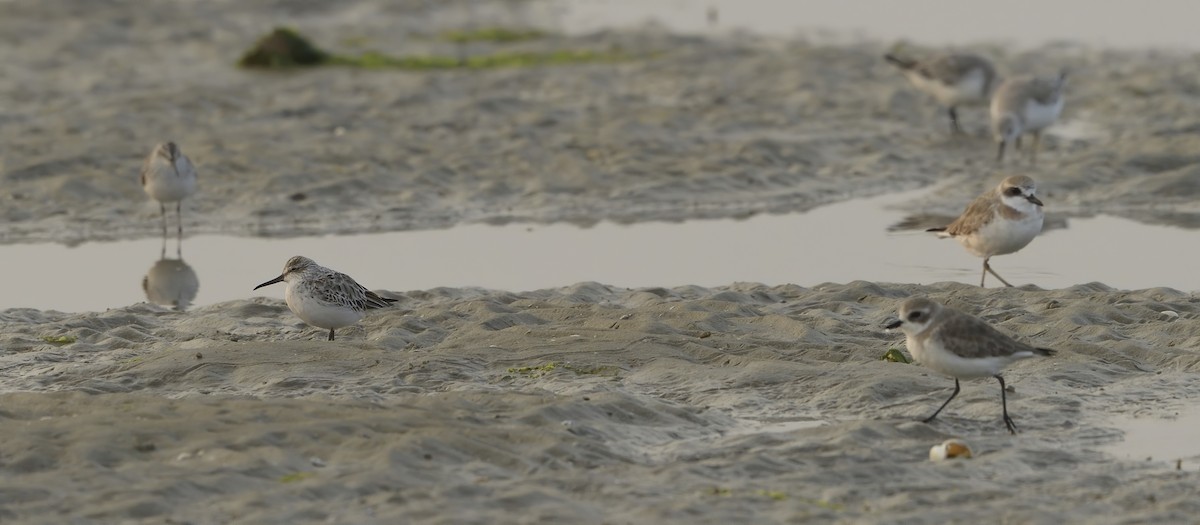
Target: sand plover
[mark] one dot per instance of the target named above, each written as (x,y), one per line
(168,176)
(959,345)
(1023,105)
(324,298)
(999,222)
(951,79)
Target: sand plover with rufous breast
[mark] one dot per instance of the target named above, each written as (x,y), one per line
(324,298)
(168,176)
(959,345)
(951,79)
(999,222)
(1023,105)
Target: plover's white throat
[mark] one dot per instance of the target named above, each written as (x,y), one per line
(998,222)
(951,79)
(960,345)
(1023,105)
(324,298)
(168,176)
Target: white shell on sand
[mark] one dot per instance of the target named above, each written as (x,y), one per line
(950,449)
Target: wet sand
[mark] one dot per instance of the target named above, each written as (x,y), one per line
(693,127)
(591,404)
(755,403)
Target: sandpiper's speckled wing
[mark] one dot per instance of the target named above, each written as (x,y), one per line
(950,69)
(339,289)
(972,337)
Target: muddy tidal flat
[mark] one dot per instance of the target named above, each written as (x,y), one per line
(588,403)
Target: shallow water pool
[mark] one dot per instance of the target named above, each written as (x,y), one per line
(836,243)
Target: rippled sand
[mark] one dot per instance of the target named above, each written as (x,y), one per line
(588,403)
(752,403)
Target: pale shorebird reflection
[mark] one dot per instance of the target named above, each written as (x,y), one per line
(171,282)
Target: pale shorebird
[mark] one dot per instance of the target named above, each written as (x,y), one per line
(1001,221)
(168,176)
(1023,105)
(959,345)
(324,298)
(951,79)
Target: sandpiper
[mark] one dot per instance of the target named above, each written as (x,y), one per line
(952,79)
(999,222)
(324,298)
(959,345)
(168,176)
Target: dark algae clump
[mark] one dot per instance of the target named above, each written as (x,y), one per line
(283,48)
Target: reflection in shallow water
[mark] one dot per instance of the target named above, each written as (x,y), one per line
(1169,24)
(837,243)
(171,282)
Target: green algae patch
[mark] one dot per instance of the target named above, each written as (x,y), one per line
(296,477)
(896,356)
(533,371)
(505,59)
(283,48)
(498,35)
(59,340)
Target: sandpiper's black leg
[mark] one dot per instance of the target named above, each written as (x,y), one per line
(179,215)
(954,127)
(1008,422)
(162,210)
(939,410)
(988,268)
(1000,151)
(330,334)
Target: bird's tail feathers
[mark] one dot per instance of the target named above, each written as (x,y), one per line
(1045,351)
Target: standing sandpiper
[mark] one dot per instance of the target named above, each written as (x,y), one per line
(324,298)
(168,176)
(999,222)
(1025,105)
(959,345)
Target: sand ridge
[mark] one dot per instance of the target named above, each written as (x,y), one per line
(588,401)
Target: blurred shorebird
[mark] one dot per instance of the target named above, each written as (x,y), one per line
(168,176)
(951,79)
(1023,105)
